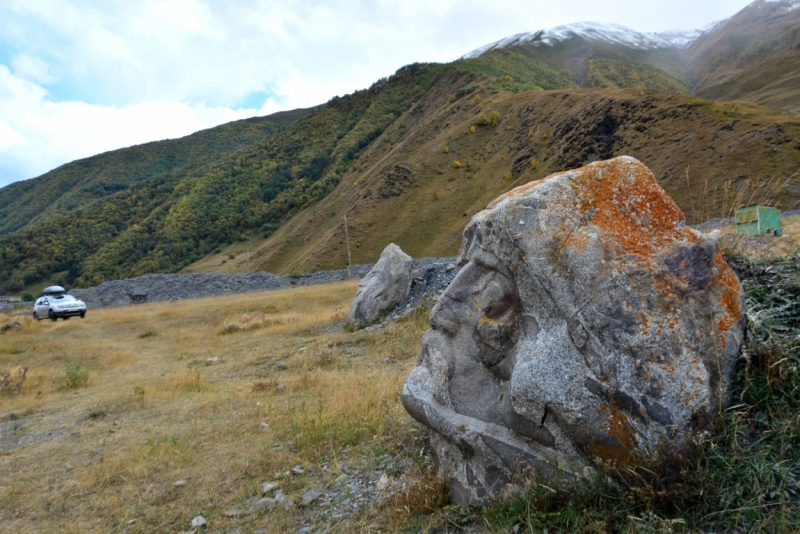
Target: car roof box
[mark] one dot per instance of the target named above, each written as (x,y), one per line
(54,290)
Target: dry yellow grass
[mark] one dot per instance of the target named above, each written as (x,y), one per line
(65,466)
(766,246)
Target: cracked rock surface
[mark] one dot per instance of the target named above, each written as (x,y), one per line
(586,322)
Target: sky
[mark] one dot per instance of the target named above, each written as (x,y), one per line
(78,78)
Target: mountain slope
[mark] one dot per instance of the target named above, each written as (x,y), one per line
(174,218)
(584,59)
(414,155)
(74,184)
(753,56)
(406,189)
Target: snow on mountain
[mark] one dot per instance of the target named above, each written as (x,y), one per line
(790,5)
(610,33)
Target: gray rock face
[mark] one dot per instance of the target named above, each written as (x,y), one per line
(586,322)
(383,287)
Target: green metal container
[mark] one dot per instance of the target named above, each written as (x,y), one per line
(758,220)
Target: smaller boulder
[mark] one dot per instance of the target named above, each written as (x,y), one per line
(383,287)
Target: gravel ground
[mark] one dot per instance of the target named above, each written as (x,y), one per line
(430,276)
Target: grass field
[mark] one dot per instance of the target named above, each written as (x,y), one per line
(118,407)
(90,455)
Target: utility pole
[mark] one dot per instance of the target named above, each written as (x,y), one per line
(248,259)
(347,238)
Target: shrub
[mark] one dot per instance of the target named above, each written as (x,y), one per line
(472,129)
(698,103)
(26,296)
(231,256)
(530,132)
(464,91)
(457,164)
(494,118)
(508,176)
(435,196)
(481,120)
(476,100)
(446,150)
(75,375)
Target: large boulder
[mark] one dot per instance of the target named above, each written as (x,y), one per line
(587,323)
(383,287)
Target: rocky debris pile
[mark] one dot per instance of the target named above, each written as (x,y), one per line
(587,323)
(429,278)
(385,285)
(334,494)
(172,287)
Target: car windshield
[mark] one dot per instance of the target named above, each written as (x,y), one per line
(65,298)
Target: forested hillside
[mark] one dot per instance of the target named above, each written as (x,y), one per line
(410,158)
(77,183)
(165,223)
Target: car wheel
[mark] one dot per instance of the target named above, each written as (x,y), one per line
(52,316)
(66,317)
(83,315)
(36,316)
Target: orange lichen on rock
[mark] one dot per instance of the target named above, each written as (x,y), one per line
(730,296)
(618,427)
(623,200)
(577,241)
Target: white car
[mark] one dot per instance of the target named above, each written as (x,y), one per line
(56,303)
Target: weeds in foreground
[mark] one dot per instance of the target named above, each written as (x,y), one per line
(12,380)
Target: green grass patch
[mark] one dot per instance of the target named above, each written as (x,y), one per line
(76,375)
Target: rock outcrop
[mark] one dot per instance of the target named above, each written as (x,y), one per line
(587,323)
(383,287)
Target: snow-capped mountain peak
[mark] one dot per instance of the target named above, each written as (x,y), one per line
(611,33)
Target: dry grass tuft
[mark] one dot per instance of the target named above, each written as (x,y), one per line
(265,386)
(189,382)
(423,493)
(12,380)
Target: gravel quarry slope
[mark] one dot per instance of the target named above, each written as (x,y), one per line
(430,275)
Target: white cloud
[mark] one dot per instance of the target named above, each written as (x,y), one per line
(118,73)
(37,134)
(32,68)
(10,138)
